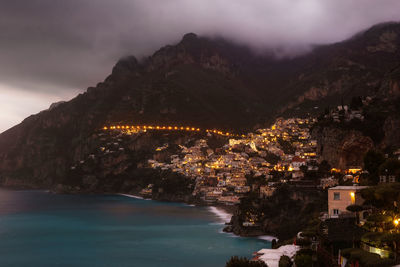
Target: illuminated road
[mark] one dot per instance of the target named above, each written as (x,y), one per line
(136,128)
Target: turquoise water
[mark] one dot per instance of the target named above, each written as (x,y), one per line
(42,229)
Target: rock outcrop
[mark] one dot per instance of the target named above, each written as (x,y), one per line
(342,148)
(392,132)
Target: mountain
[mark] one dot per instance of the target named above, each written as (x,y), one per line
(203,82)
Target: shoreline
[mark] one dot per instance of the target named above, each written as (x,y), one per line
(223,212)
(223,216)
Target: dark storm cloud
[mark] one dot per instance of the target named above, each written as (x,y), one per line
(57,47)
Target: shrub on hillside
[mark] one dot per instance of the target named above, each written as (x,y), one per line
(285,261)
(244,262)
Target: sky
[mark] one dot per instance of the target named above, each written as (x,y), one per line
(51,50)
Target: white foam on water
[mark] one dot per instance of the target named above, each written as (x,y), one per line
(267,237)
(132,196)
(222,215)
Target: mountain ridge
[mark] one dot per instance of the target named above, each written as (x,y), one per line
(205,83)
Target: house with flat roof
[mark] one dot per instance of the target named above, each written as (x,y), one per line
(340,197)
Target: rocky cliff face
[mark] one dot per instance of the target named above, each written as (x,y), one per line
(342,148)
(346,144)
(201,82)
(345,68)
(392,131)
(119,163)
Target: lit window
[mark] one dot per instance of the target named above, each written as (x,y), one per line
(336,196)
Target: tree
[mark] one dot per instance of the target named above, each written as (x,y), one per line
(273,243)
(235,261)
(272,158)
(378,222)
(382,196)
(355,209)
(285,261)
(356,103)
(394,240)
(324,167)
(303,260)
(390,166)
(286,146)
(372,160)
(304,169)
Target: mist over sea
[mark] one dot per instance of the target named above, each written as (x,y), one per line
(43,229)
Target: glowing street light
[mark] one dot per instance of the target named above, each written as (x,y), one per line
(396,222)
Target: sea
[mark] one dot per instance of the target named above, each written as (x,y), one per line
(38,228)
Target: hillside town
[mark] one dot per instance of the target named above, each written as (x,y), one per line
(224,174)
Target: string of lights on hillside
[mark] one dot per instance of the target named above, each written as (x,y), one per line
(167,128)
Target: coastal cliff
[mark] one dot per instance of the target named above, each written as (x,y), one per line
(282,215)
(119,164)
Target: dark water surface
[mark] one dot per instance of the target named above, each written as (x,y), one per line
(42,229)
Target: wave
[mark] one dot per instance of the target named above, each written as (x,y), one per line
(223,216)
(267,238)
(131,196)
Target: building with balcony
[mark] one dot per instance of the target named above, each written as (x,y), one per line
(340,197)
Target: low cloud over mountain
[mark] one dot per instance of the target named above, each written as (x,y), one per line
(60,47)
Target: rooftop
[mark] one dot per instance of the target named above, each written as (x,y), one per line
(353,187)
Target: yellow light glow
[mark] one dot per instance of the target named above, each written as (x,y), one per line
(353,199)
(105,128)
(396,222)
(353,171)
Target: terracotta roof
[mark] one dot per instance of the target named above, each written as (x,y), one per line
(298,159)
